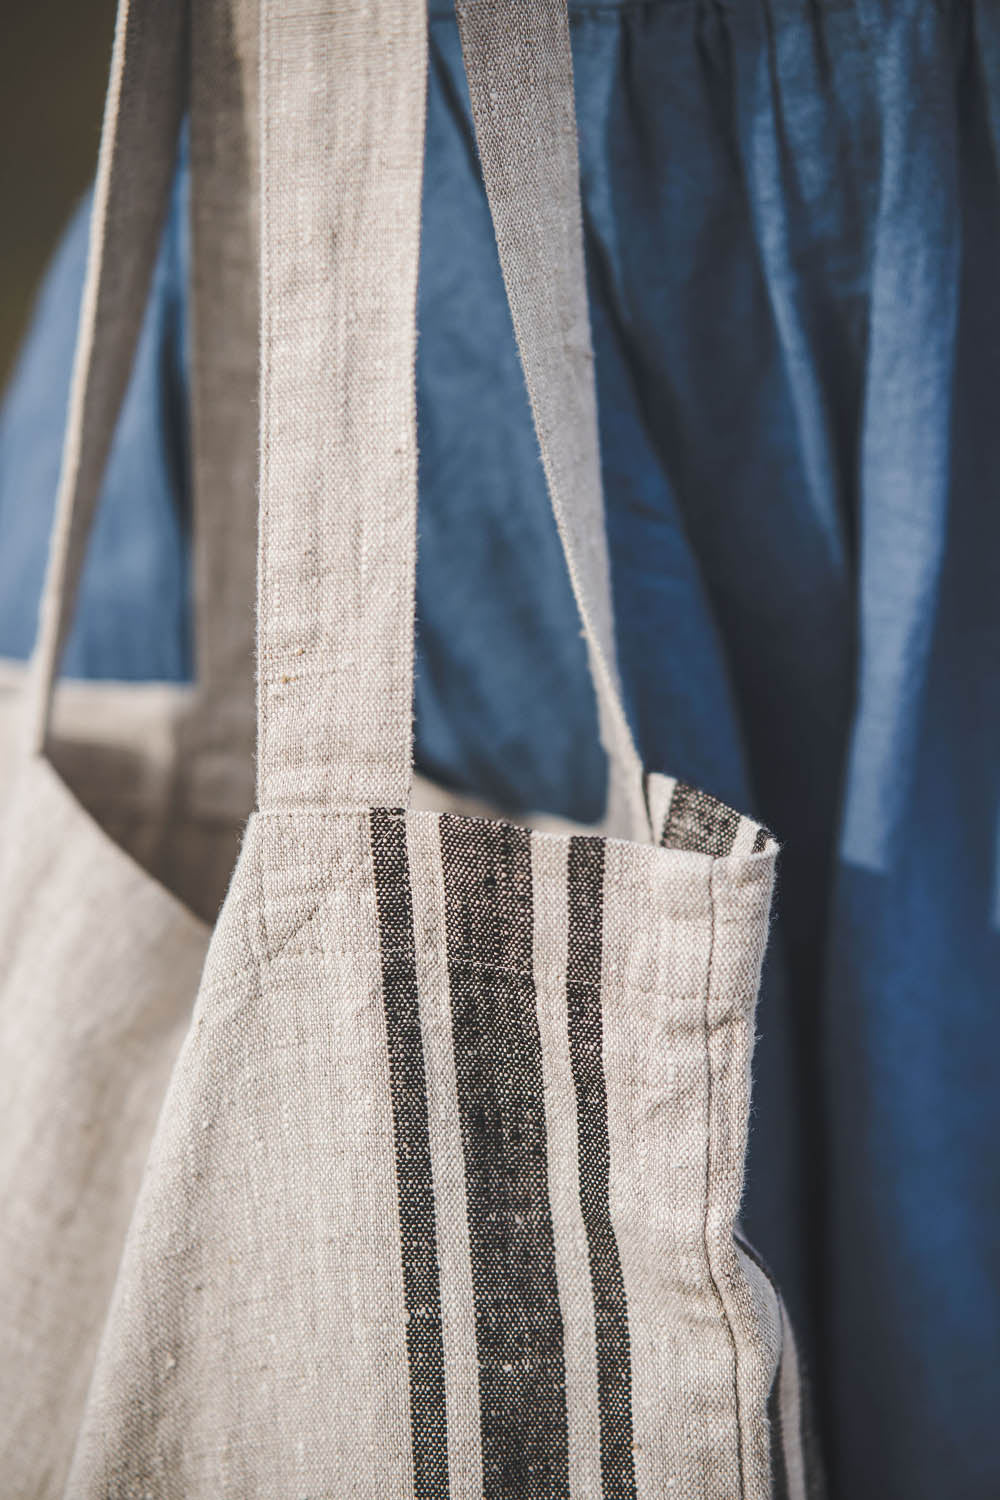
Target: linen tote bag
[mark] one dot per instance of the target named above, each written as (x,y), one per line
(442,1196)
(122,803)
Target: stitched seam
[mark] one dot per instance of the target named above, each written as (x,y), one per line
(739,1004)
(709,1101)
(296,931)
(264,934)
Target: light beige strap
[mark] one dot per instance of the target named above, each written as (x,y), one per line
(520,73)
(142,117)
(216,751)
(148,89)
(342,138)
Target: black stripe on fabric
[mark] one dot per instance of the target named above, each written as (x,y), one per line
(761,841)
(586,1036)
(498,1066)
(414,1182)
(699,822)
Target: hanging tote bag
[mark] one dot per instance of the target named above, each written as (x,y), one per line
(122,805)
(442,1196)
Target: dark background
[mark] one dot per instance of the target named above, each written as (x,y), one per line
(54,57)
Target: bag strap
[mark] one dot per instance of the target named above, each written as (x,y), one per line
(142,117)
(519,68)
(342,122)
(147,94)
(217,735)
(342,141)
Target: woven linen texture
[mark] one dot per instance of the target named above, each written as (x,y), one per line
(119,826)
(404,1231)
(442,1195)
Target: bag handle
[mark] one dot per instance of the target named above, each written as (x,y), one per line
(342,142)
(147,93)
(342,122)
(142,115)
(519,69)
(217,734)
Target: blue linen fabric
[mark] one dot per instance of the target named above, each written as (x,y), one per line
(792,219)
(133,620)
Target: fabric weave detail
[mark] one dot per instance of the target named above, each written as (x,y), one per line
(498,1065)
(583,994)
(697,821)
(414,1182)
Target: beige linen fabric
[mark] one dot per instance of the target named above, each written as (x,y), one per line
(99,965)
(119,824)
(442,1195)
(217,733)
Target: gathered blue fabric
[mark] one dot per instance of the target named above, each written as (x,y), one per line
(792,221)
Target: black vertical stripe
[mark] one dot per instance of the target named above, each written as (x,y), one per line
(700,822)
(761,840)
(414,1183)
(498,1065)
(583,994)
